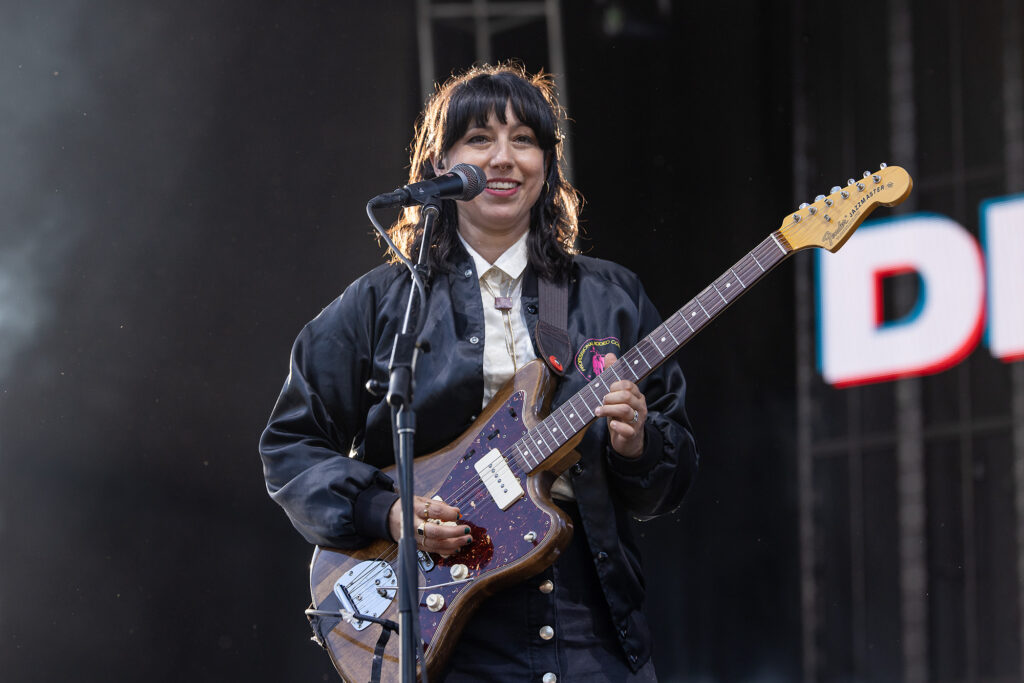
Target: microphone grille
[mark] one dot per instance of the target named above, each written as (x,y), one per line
(474,178)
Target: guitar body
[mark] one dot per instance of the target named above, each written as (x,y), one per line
(503,551)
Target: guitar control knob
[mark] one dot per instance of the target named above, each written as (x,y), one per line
(530,536)
(435,602)
(459,571)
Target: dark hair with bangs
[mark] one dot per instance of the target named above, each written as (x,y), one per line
(468,100)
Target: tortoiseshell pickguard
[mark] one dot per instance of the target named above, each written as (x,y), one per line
(498,536)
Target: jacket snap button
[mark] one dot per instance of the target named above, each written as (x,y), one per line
(622,632)
(546,632)
(468,273)
(474,340)
(549,678)
(632,658)
(577,469)
(602,556)
(531,309)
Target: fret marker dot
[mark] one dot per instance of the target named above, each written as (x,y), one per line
(555,429)
(662,339)
(572,414)
(727,285)
(693,314)
(635,362)
(538,442)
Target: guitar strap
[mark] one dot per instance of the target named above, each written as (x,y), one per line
(551,332)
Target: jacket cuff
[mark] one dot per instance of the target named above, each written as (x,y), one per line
(371,512)
(653,446)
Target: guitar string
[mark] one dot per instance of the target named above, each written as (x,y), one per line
(471,489)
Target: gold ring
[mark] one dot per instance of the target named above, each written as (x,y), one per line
(420,529)
(426,510)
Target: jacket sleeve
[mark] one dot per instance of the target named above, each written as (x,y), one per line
(655,483)
(332,499)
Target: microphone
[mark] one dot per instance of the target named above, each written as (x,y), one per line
(463,182)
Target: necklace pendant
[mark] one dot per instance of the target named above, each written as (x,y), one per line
(503,303)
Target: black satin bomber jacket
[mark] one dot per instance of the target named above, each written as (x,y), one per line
(327,436)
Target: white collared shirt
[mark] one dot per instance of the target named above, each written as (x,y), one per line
(505,278)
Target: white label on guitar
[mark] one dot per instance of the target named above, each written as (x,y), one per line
(498,478)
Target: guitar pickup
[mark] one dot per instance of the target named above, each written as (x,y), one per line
(498,478)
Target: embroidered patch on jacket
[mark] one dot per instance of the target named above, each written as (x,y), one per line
(590,357)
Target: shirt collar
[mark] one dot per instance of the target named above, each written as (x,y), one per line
(512,261)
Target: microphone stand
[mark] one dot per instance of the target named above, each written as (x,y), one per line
(403,420)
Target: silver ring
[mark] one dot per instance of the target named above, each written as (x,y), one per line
(636,416)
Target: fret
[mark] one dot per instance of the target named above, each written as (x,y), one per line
(697,299)
(757,262)
(668,328)
(738,278)
(688,324)
(640,353)
(719,292)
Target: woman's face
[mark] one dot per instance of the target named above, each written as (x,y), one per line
(514,164)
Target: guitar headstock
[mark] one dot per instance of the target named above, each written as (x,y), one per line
(830,220)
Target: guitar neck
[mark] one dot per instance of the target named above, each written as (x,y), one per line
(571,417)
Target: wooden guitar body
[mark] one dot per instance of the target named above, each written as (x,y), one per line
(508,546)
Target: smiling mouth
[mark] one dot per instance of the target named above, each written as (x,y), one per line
(502,185)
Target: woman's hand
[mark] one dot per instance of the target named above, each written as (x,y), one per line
(626,410)
(435,524)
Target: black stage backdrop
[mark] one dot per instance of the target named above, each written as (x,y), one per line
(183,187)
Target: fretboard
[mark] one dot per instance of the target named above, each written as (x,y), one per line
(568,419)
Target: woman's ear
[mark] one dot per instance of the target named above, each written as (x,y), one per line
(438,165)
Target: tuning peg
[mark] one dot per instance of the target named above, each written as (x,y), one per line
(828,201)
(819,197)
(803,205)
(867,174)
(844,194)
(860,186)
(835,188)
(812,210)
(850,181)
(796,218)
(883,165)
(877,178)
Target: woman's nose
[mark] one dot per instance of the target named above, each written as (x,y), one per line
(502,155)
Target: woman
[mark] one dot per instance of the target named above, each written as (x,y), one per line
(581,618)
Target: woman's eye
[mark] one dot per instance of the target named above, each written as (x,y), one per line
(525,140)
(476,139)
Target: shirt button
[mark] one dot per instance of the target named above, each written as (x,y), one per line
(632,659)
(474,340)
(546,587)
(549,678)
(531,309)
(546,632)
(577,469)
(468,273)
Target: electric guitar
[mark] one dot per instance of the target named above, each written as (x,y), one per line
(499,472)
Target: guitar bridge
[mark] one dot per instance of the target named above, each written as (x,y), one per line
(367,588)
